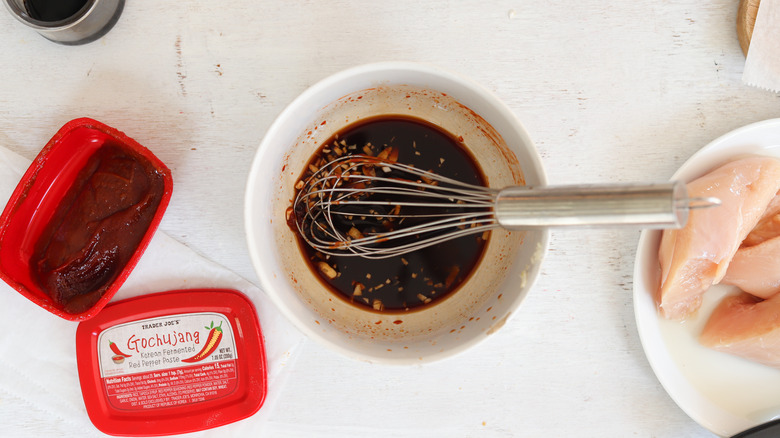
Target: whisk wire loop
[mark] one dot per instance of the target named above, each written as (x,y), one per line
(398,208)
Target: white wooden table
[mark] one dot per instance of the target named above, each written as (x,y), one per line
(610,92)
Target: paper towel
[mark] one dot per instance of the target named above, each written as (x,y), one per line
(762,66)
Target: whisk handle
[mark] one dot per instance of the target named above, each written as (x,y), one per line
(652,206)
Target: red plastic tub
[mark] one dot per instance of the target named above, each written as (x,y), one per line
(43,212)
(172,362)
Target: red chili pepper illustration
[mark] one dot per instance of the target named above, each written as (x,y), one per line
(212,342)
(116,350)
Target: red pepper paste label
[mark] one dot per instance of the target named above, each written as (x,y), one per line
(168,361)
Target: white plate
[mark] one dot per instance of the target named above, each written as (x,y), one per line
(723,393)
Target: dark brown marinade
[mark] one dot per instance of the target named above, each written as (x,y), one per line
(53,10)
(400,283)
(97,227)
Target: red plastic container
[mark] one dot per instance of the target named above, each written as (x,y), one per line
(38,195)
(147,366)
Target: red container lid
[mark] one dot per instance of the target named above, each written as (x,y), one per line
(172,362)
(37,201)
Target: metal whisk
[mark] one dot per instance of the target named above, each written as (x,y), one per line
(376,208)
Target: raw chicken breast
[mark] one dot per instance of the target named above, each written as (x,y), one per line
(768,226)
(756,269)
(745,326)
(695,257)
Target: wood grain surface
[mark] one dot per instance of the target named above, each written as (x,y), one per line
(746,20)
(609,92)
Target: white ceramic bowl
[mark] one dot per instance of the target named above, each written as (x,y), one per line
(499,143)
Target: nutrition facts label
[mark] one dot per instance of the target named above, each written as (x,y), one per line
(172,387)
